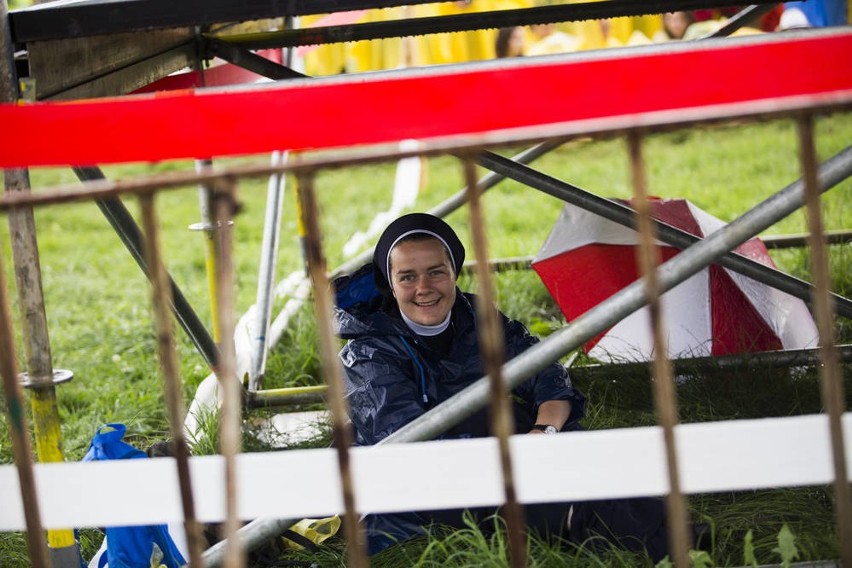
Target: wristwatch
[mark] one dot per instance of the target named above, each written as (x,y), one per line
(546,428)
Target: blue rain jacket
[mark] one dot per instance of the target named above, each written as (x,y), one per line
(130,546)
(392,377)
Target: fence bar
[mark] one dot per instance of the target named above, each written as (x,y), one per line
(224,206)
(665,399)
(620,305)
(161,300)
(266,273)
(124,225)
(323,305)
(378,154)
(19,432)
(832,172)
(493,355)
(833,397)
(454,202)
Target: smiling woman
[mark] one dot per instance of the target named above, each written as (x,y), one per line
(413,342)
(423,283)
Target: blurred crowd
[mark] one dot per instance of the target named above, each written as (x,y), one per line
(477,45)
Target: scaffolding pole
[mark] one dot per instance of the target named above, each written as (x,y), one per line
(266,273)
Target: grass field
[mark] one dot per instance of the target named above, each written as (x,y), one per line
(98,310)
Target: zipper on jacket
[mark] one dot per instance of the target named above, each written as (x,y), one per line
(419,368)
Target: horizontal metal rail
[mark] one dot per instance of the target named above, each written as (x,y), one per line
(763,359)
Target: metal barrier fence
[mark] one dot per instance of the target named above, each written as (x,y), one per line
(18,203)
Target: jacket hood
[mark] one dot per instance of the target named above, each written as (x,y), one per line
(358,306)
(359,309)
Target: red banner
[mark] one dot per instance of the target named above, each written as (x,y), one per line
(423,104)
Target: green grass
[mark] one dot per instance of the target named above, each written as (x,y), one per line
(100,321)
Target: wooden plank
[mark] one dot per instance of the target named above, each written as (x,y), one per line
(107,65)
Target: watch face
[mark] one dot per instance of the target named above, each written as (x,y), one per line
(550,430)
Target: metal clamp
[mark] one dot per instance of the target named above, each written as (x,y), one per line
(59,376)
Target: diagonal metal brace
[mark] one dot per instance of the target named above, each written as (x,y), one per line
(248,60)
(832,172)
(125,226)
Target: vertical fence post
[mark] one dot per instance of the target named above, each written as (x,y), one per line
(493,353)
(323,305)
(161,300)
(18,427)
(664,396)
(831,382)
(224,206)
(8,355)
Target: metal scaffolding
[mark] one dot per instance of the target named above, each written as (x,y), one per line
(657,278)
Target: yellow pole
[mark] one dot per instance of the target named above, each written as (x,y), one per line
(206,226)
(48,437)
(210,245)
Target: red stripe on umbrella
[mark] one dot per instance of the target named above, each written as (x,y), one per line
(586,259)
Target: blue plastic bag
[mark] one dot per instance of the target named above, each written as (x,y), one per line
(133,546)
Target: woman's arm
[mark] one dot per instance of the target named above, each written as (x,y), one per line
(550,390)
(554,413)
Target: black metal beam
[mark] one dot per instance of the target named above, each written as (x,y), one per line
(54,20)
(747,17)
(93,17)
(478,20)
(248,60)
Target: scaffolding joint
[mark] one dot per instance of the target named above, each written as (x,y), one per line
(59,376)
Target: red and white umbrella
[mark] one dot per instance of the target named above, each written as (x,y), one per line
(586,259)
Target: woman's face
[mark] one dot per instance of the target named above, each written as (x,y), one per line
(422,280)
(676,24)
